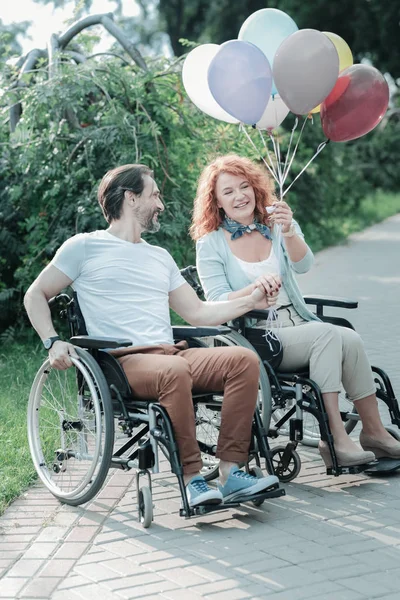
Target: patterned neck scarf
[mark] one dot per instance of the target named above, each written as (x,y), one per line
(237,229)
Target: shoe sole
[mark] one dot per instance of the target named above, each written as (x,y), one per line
(254,489)
(380,453)
(211,501)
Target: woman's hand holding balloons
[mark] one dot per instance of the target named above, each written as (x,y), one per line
(282,215)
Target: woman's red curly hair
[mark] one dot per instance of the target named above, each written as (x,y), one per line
(207,216)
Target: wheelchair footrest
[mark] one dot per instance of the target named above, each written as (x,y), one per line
(353,470)
(273,492)
(383,466)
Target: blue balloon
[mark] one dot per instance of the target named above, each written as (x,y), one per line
(240,80)
(267,29)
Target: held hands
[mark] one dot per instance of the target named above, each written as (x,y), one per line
(266,290)
(282,215)
(60,355)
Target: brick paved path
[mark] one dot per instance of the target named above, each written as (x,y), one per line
(331,538)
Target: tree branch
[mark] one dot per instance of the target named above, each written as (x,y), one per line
(65,38)
(119,35)
(76,56)
(52,51)
(30,61)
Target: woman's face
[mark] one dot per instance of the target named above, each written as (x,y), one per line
(236,197)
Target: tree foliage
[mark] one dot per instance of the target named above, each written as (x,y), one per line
(9,39)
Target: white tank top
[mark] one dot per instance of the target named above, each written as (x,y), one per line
(269,266)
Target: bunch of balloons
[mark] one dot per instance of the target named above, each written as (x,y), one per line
(273,68)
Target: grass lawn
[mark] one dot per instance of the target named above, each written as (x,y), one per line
(20,361)
(18,365)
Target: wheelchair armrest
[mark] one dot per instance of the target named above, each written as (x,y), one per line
(184,332)
(59,300)
(98,343)
(320,301)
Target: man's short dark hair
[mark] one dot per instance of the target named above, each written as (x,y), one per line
(113,185)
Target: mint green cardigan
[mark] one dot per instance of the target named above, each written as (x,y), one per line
(220,273)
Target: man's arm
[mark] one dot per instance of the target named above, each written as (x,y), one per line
(49,283)
(184,301)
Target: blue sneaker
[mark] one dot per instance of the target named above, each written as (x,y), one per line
(198,492)
(240,484)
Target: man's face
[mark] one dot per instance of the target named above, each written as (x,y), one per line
(148,206)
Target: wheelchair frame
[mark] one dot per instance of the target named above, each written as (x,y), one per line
(146,423)
(305,393)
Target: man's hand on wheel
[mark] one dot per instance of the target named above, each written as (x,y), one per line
(60,355)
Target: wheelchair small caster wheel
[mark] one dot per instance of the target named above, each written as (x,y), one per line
(285,472)
(145,507)
(256,472)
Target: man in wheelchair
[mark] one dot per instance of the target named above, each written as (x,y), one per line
(125,288)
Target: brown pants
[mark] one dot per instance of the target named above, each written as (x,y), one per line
(171,373)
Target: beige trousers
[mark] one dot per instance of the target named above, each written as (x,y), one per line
(333,354)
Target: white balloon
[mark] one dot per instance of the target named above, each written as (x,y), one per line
(194,77)
(275,112)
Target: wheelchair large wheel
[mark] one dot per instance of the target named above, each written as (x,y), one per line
(71,429)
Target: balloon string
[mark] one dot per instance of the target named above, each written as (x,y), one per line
(241,128)
(276,152)
(280,173)
(295,148)
(319,149)
(268,154)
(285,170)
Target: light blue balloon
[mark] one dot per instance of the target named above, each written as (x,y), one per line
(240,80)
(266,29)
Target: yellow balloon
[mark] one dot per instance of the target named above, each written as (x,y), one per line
(343,49)
(345,57)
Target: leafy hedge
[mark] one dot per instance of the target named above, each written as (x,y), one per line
(103,113)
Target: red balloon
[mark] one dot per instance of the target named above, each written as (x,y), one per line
(356,104)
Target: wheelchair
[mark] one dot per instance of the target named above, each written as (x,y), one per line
(73,414)
(291,403)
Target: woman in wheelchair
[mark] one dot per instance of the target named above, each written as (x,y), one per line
(237,250)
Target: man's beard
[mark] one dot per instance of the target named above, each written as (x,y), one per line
(149,223)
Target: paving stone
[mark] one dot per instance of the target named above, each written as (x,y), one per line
(11,586)
(40,587)
(25,567)
(96,572)
(151,589)
(74,582)
(322,590)
(52,534)
(363,586)
(40,550)
(139,581)
(82,534)
(71,550)
(57,567)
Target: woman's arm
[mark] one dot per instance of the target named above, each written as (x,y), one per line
(299,253)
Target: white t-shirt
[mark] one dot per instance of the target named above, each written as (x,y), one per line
(122,287)
(269,265)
